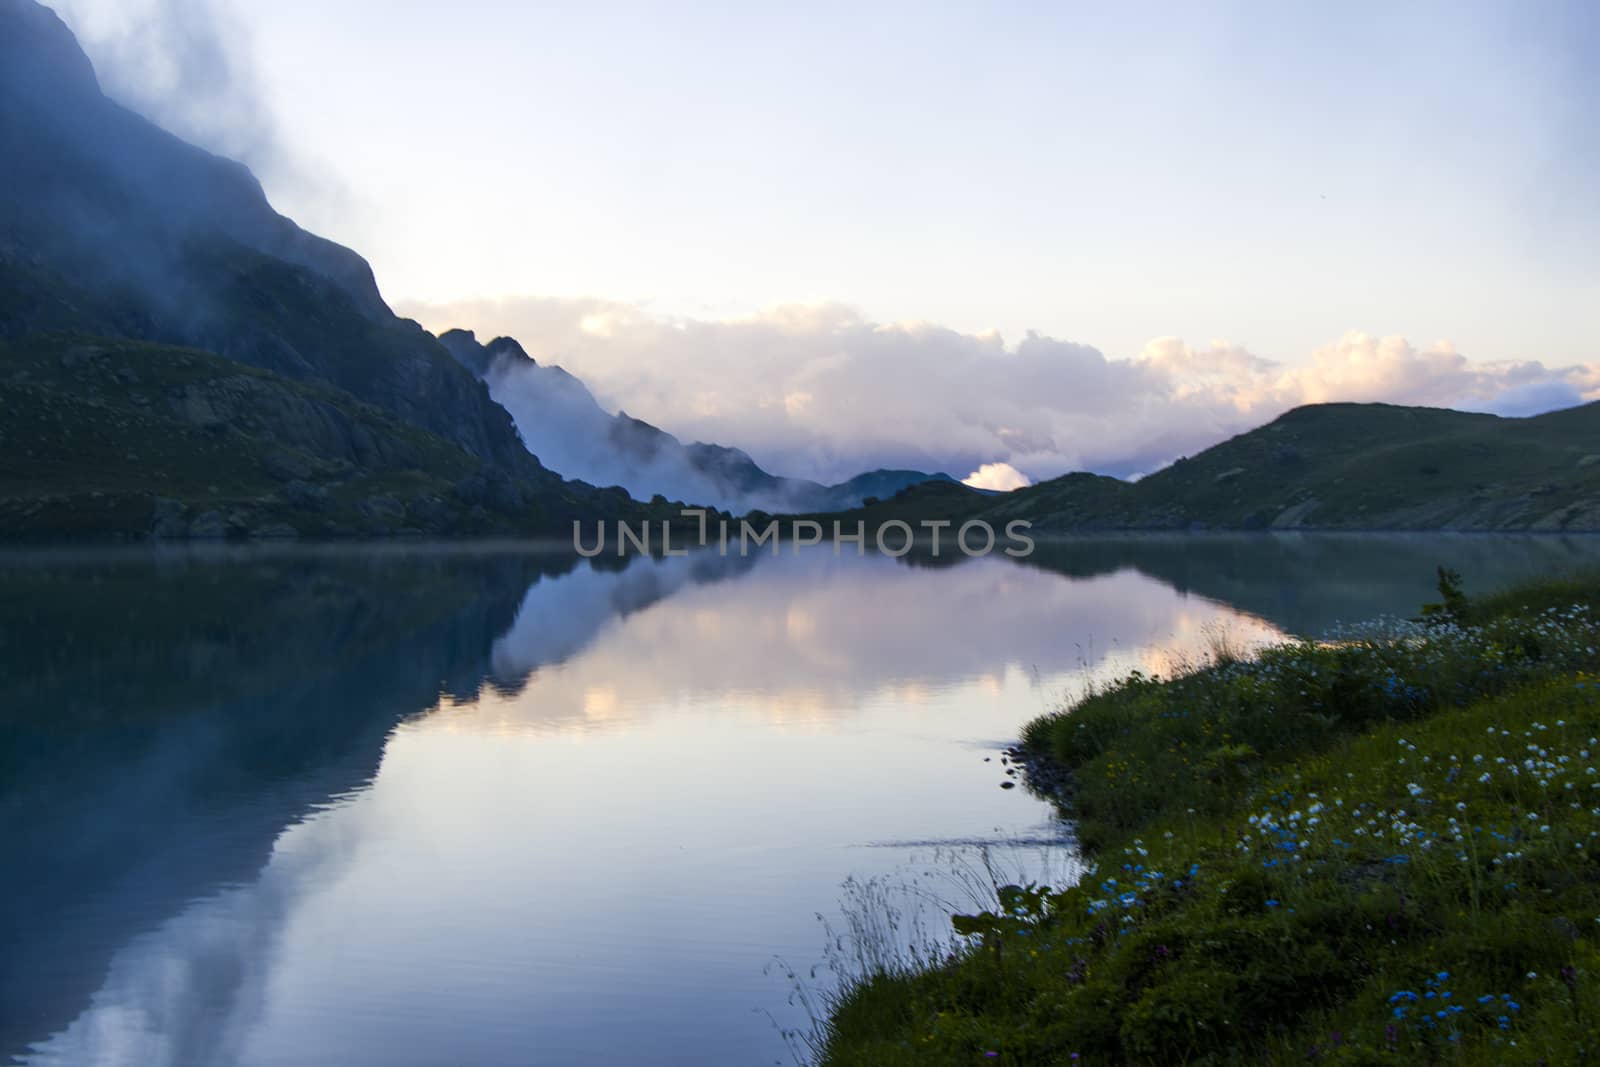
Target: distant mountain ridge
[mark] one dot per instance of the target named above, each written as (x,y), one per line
(562,422)
(1328,466)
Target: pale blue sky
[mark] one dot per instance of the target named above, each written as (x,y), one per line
(1273,175)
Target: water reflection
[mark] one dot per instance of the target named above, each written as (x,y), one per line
(415,807)
(1308,583)
(167,718)
(814,638)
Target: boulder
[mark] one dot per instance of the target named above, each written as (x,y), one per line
(209,525)
(306,496)
(383,509)
(166,520)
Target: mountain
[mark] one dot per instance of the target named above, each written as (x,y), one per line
(177,357)
(563,423)
(1328,466)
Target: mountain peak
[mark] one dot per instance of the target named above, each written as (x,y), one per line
(507,346)
(100,191)
(39,54)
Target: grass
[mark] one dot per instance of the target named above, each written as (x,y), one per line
(1379,848)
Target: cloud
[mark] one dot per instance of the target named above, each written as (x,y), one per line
(1002,477)
(189,66)
(185,65)
(823,391)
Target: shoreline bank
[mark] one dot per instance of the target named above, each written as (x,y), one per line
(1384,849)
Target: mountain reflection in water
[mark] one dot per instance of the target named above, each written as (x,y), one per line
(401,805)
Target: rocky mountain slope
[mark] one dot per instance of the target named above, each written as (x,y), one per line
(149,293)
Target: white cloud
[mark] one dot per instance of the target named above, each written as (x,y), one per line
(1002,477)
(822,391)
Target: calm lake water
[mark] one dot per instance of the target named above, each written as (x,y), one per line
(414,806)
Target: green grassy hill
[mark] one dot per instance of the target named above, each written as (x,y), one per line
(1327,466)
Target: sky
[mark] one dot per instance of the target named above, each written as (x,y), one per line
(1033,237)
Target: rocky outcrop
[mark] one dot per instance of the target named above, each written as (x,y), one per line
(290,418)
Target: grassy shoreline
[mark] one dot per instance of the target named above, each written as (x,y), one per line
(1383,848)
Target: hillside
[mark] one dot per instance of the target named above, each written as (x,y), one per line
(1328,466)
(127,438)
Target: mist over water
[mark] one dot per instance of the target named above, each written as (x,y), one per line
(413,806)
